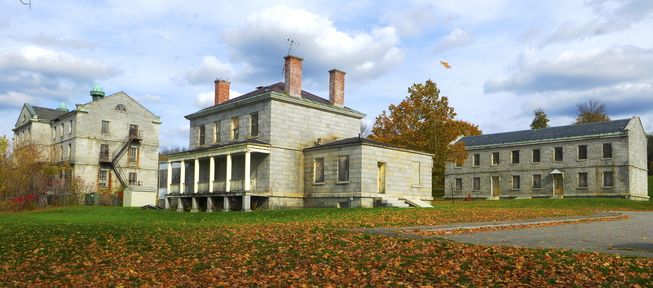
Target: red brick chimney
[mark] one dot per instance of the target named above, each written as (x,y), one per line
(337,88)
(221,91)
(293,68)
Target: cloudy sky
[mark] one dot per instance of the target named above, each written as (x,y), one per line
(507,57)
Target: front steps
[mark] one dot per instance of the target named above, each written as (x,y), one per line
(382,201)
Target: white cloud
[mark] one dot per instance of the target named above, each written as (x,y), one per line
(147,99)
(457,38)
(55,64)
(261,42)
(207,99)
(15,99)
(210,69)
(412,22)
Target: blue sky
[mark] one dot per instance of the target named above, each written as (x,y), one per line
(507,57)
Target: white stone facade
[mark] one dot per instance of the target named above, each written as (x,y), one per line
(606,159)
(115,122)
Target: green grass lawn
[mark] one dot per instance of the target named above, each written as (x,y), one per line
(113,246)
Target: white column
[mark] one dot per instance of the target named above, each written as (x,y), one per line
(228,178)
(169,178)
(196,175)
(211,173)
(248,161)
(182,178)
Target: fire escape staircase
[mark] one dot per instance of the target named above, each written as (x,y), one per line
(133,137)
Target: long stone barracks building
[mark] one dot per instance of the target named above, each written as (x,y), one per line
(605,159)
(280,147)
(110,142)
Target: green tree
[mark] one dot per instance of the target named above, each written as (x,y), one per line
(425,122)
(540,121)
(590,112)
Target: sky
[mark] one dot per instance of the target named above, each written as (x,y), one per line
(507,57)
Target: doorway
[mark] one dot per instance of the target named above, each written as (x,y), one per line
(495,186)
(558,185)
(381,178)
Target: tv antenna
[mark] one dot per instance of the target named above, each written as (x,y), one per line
(293,42)
(28,3)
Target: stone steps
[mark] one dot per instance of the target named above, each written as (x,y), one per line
(417,203)
(391,202)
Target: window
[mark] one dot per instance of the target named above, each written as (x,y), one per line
(415,174)
(607,179)
(318,170)
(582,179)
(218,130)
(537,181)
(70,127)
(607,150)
(536,156)
(557,154)
(235,125)
(121,108)
(63,127)
(133,154)
(103,178)
(70,151)
(133,179)
(495,158)
(343,168)
(61,153)
(515,156)
(457,165)
(55,133)
(459,184)
(515,182)
(105,127)
(476,159)
(104,152)
(253,125)
(134,132)
(582,152)
(476,183)
(202,135)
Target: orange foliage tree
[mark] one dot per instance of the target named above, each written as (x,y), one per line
(425,122)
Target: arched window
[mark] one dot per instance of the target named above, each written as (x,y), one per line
(121,107)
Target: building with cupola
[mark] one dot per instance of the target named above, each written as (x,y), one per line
(111,143)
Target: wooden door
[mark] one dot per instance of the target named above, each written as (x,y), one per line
(495,186)
(381,176)
(558,185)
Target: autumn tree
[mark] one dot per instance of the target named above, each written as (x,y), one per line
(540,121)
(425,122)
(590,112)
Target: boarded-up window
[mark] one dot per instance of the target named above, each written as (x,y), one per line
(415,173)
(318,170)
(476,183)
(343,168)
(537,181)
(582,179)
(459,184)
(536,155)
(582,152)
(607,150)
(253,125)
(516,182)
(557,151)
(607,179)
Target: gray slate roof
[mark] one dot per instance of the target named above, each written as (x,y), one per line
(548,134)
(47,113)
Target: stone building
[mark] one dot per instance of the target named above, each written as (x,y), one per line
(111,142)
(605,159)
(280,147)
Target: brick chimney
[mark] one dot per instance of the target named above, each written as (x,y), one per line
(293,68)
(337,88)
(221,91)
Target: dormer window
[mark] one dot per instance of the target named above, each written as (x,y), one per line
(121,108)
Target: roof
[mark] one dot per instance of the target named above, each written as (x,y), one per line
(202,148)
(358,140)
(47,113)
(279,88)
(615,127)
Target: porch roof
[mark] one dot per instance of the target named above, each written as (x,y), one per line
(249,145)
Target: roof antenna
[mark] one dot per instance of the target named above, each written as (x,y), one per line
(29,3)
(293,42)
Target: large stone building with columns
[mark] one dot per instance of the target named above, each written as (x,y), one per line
(604,159)
(280,147)
(111,143)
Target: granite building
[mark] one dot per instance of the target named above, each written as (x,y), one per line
(281,147)
(111,143)
(604,159)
